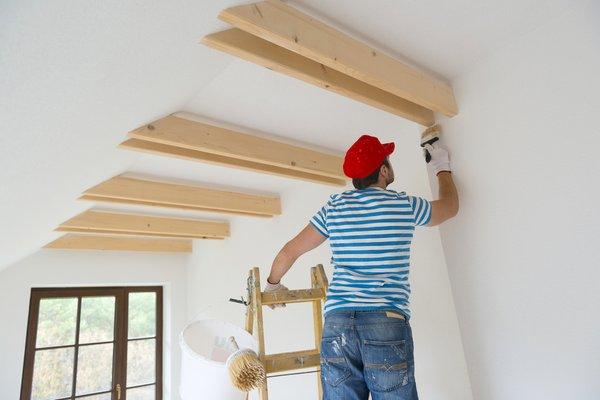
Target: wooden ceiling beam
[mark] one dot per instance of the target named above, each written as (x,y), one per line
(201,156)
(290,28)
(93,221)
(100,242)
(145,192)
(208,138)
(259,51)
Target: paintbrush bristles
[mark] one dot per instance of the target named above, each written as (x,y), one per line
(432,130)
(245,370)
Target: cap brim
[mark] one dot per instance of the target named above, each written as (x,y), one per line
(389,148)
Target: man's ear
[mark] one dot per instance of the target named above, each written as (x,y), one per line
(383,170)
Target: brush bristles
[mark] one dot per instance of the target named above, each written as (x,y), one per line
(432,131)
(430,134)
(246,371)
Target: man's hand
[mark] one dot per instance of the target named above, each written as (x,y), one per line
(274,287)
(440,158)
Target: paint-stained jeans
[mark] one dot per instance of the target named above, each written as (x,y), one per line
(366,352)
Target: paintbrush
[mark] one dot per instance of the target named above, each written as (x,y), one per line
(430,136)
(245,368)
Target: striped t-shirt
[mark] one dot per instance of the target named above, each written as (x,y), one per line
(370,232)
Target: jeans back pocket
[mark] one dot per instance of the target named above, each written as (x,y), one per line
(386,364)
(334,365)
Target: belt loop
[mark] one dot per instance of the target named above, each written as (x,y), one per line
(353,314)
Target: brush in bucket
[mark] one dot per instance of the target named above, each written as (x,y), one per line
(246,370)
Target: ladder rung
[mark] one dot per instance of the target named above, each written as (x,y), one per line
(290,361)
(292,296)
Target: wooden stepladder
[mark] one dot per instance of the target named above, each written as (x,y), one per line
(281,362)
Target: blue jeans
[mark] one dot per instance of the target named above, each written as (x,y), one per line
(366,352)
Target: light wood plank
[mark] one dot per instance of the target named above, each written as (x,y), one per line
(93,221)
(321,277)
(317,306)
(250,306)
(291,296)
(128,190)
(109,200)
(195,155)
(93,242)
(257,302)
(292,361)
(287,27)
(194,135)
(259,51)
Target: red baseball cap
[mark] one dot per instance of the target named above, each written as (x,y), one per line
(365,156)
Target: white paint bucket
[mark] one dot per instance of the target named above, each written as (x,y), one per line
(205,348)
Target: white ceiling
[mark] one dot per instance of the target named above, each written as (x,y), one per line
(445,37)
(76,76)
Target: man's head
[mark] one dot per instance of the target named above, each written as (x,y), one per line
(367,163)
(382,177)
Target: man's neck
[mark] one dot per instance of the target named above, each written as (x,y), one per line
(379,185)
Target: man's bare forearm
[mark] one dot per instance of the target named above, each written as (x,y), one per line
(281,264)
(446,206)
(447,191)
(447,195)
(305,241)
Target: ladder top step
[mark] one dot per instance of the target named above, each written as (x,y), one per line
(292,296)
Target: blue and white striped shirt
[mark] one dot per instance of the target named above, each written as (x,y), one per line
(370,232)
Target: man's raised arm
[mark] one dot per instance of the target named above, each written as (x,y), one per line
(446,206)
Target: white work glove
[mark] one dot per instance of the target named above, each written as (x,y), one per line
(440,158)
(275,287)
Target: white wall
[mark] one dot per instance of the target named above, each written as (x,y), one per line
(218,271)
(48,268)
(522,255)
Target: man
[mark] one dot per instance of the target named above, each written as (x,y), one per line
(367,344)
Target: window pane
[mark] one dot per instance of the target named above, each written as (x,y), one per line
(94,368)
(104,396)
(97,319)
(140,362)
(143,393)
(56,322)
(52,374)
(142,314)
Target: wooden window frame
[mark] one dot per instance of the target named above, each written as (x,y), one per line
(120,338)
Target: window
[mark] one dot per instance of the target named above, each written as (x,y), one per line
(94,344)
